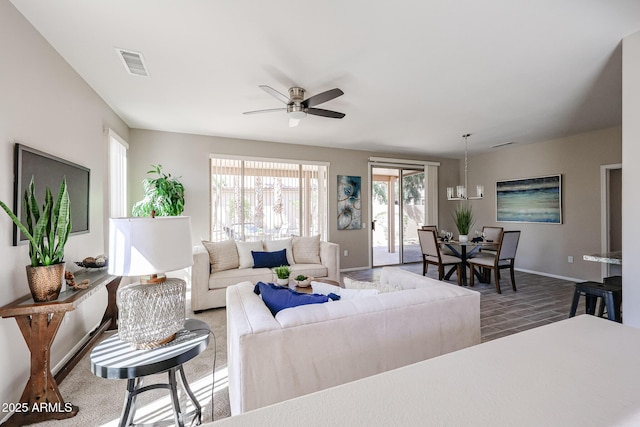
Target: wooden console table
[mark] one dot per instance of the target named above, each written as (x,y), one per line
(39,324)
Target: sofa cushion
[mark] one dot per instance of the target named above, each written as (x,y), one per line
(313,270)
(361,284)
(278,298)
(244,252)
(306,250)
(269,259)
(222,255)
(225,278)
(276,245)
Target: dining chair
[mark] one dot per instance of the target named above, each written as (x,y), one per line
(491,234)
(504,258)
(431,254)
(443,251)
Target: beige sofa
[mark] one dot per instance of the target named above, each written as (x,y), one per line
(216,267)
(312,347)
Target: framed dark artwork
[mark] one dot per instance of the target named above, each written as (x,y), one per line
(349,202)
(537,200)
(48,171)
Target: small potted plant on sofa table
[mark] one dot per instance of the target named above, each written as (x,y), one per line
(283,273)
(302,280)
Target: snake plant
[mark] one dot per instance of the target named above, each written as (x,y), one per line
(46,230)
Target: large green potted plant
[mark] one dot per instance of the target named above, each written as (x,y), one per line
(464,220)
(163,196)
(47,232)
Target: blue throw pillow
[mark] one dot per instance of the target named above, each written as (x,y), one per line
(278,298)
(269,259)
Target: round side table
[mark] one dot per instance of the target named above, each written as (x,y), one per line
(116,359)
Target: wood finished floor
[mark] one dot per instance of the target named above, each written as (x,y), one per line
(540,300)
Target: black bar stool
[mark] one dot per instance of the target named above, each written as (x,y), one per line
(611,293)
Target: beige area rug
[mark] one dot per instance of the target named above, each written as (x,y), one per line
(100,400)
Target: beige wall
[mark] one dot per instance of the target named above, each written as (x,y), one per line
(630,178)
(188,156)
(46,105)
(545,247)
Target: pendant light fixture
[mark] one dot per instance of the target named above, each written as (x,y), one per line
(460,191)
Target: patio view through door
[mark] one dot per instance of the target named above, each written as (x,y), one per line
(397,210)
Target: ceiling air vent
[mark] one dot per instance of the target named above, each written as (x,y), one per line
(133,62)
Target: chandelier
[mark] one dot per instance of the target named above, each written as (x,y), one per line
(460,191)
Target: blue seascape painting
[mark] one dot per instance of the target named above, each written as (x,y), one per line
(530,200)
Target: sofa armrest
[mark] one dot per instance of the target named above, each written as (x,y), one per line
(330,258)
(200,271)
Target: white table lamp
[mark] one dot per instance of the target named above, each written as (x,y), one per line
(151,311)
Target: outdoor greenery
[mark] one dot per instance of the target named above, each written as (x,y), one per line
(463,217)
(282,272)
(48,230)
(163,195)
(413,186)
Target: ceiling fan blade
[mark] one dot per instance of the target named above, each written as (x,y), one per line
(270,110)
(322,97)
(325,113)
(293,122)
(277,95)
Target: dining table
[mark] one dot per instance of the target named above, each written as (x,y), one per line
(464,251)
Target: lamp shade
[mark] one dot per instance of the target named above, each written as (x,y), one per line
(144,246)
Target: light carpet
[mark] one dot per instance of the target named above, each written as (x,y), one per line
(101,400)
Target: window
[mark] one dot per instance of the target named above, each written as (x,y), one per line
(264,199)
(117,176)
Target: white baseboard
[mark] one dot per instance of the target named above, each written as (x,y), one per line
(344,270)
(555,276)
(74,350)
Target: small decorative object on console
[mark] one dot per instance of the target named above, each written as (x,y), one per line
(71,281)
(99,261)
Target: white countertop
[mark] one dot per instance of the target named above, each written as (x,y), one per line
(609,258)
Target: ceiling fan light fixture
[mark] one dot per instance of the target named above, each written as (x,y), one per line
(296,112)
(297,115)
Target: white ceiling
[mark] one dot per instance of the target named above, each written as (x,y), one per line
(416,74)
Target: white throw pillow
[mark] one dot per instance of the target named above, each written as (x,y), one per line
(222,255)
(244,252)
(306,250)
(361,284)
(345,294)
(278,245)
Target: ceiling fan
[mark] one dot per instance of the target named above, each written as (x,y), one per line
(297,107)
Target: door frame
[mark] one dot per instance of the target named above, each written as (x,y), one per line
(605,171)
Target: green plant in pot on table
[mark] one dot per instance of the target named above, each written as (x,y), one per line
(282,273)
(47,232)
(463,217)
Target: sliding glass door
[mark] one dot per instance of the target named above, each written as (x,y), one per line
(397,210)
